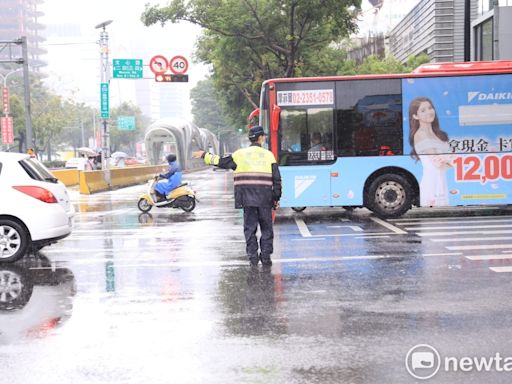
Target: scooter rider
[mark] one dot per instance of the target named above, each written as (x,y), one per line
(257,190)
(173,176)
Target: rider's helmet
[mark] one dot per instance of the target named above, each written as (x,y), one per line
(170,157)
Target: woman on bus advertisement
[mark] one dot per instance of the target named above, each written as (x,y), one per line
(465,127)
(429,145)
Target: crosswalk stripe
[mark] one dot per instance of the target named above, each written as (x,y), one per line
(455,218)
(389,226)
(463,239)
(458,221)
(458,227)
(478,247)
(501,269)
(450,233)
(489,257)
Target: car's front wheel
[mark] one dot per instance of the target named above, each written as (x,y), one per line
(14,241)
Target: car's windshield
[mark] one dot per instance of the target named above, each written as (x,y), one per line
(36,170)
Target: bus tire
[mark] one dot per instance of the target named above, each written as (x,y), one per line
(389,196)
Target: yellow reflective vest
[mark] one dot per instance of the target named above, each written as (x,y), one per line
(256,175)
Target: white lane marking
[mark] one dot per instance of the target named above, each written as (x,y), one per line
(463,239)
(355,228)
(443,254)
(371,237)
(458,221)
(458,227)
(449,233)
(389,226)
(478,247)
(357,234)
(226,263)
(303,228)
(490,257)
(421,219)
(501,269)
(96,214)
(309,239)
(304,231)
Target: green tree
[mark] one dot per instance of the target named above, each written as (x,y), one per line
(124,140)
(49,113)
(250,41)
(374,65)
(207,107)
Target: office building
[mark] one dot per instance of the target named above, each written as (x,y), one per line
(21,18)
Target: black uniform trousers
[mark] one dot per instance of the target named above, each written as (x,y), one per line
(252,217)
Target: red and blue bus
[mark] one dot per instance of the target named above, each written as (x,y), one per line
(440,136)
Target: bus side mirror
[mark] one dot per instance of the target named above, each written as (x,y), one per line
(252,117)
(276,114)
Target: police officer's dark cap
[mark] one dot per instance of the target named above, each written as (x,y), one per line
(256,131)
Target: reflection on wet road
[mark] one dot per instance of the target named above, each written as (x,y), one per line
(168,296)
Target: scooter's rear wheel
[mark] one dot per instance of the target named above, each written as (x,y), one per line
(189,205)
(144,205)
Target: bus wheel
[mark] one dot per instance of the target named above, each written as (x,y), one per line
(390,196)
(298,209)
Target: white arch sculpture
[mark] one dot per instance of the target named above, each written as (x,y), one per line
(186,136)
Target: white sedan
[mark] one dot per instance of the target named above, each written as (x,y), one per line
(35,209)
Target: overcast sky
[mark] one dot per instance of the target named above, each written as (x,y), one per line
(73,61)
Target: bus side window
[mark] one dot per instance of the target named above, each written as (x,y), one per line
(298,127)
(369,117)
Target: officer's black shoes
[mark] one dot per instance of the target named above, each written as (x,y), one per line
(253,260)
(265,260)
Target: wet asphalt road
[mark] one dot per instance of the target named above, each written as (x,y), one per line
(168,297)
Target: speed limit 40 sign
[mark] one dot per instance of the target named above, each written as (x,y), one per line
(178,65)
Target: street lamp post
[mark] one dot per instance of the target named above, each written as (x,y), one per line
(4,78)
(104,100)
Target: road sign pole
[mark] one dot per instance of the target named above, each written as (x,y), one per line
(104,98)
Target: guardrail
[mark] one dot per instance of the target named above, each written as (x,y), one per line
(94,181)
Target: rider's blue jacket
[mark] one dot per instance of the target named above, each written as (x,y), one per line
(173,176)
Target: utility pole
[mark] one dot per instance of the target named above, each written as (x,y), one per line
(104,100)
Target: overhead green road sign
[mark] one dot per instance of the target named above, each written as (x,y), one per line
(127,68)
(126,123)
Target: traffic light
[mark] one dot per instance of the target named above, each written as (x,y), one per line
(168,78)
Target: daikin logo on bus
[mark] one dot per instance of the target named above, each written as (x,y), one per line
(302,183)
(480,96)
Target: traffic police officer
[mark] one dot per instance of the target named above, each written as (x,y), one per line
(257,190)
